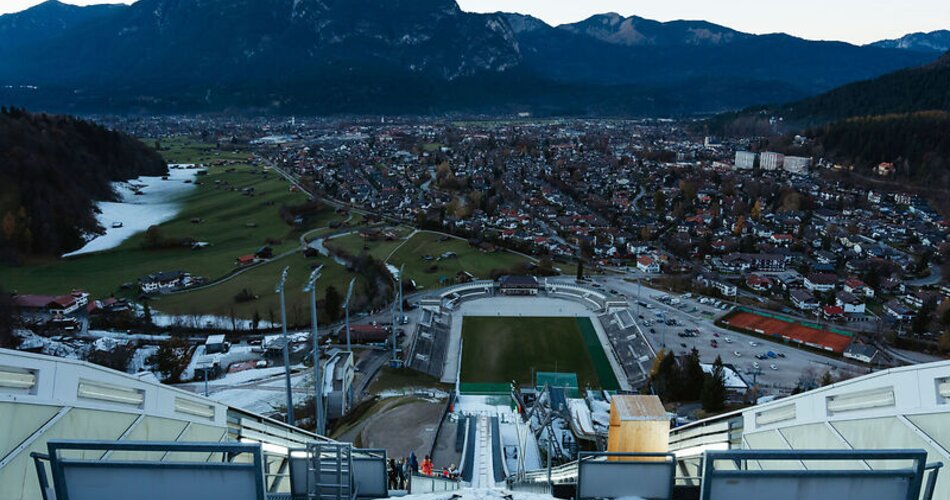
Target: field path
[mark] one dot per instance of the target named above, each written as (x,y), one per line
(393,252)
(233,274)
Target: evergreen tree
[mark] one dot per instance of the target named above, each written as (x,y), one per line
(944,343)
(255,320)
(147,313)
(693,377)
(331,303)
(7,320)
(714,388)
(172,358)
(664,376)
(580,270)
(921,321)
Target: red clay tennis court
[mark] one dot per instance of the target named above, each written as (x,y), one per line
(794,332)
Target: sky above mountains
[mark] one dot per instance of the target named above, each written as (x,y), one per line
(855,21)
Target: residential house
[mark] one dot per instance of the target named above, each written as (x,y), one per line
(895,309)
(861,352)
(832,313)
(849,302)
(920,297)
(758,283)
(781,239)
(42,307)
(804,300)
(821,282)
(246,260)
(164,281)
(857,287)
(648,264)
(710,280)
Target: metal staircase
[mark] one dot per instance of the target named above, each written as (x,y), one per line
(330,471)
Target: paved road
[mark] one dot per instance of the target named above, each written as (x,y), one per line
(933,278)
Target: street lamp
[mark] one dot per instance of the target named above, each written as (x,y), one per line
(346,308)
(283,324)
(317,379)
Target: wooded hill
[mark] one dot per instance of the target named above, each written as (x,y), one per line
(53,169)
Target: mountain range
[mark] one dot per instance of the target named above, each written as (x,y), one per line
(405,56)
(935,41)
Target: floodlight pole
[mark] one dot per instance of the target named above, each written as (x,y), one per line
(401,312)
(283,324)
(392,334)
(346,308)
(317,378)
(397,298)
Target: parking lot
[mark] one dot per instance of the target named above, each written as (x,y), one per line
(665,323)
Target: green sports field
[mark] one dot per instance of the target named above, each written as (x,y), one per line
(497,350)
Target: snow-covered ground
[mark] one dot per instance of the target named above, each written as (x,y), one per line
(127,336)
(428,394)
(252,392)
(732,379)
(138,363)
(159,203)
(516,435)
(206,321)
(483,405)
(485,494)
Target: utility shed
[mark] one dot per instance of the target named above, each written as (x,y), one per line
(638,424)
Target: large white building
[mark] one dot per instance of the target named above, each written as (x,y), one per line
(771,161)
(797,164)
(745,160)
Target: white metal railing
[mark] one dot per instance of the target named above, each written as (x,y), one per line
(419,484)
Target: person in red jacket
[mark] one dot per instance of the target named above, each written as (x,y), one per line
(426,466)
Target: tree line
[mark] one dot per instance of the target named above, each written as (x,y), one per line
(684,380)
(917,143)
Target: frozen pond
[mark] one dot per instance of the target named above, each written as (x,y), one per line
(158,203)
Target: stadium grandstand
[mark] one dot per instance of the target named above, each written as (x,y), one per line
(76,430)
